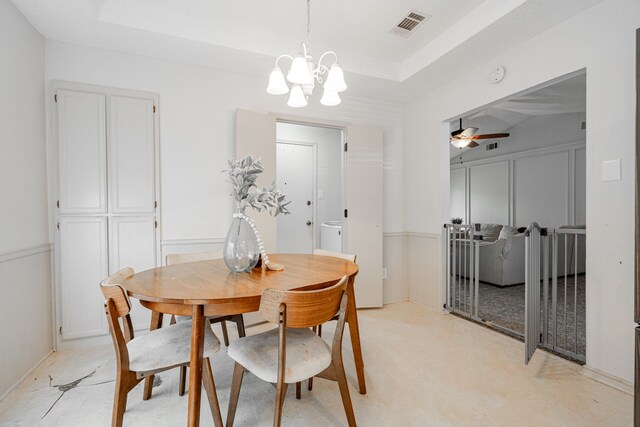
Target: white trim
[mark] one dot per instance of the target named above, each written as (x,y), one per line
(177,242)
(392,234)
(520,154)
(25,252)
(425,235)
(22,378)
(608,379)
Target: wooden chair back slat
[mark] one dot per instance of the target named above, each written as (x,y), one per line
(112,288)
(348,257)
(304,309)
(193,257)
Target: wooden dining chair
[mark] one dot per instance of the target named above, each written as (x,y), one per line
(160,350)
(237,318)
(293,352)
(318,328)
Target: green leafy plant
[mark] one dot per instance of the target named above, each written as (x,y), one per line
(243,174)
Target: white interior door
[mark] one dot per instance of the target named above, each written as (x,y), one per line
(83,265)
(131,155)
(295,177)
(256,136)
(133,244)
(364,211)
(82,175)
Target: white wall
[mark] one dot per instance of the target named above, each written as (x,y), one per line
(25,277)
(602,40)
(329,167)
(197,110)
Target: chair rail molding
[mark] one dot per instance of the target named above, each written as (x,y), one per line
(205,241)
(25,252)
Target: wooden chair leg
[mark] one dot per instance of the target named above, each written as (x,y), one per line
(212,396)
(281,392)
(234,394)
(239,324)
(225,333)
(298,390)
(125,382)
(183,380)
(344,392)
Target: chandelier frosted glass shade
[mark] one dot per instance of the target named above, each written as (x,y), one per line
(297,98)
(277,84)
(330,98)
(299,72)
(335,80)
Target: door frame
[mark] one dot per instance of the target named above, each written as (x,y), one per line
(53,193)
(314,193)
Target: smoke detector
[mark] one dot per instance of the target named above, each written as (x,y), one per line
(408,24)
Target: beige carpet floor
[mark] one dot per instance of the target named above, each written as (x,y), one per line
(423,369)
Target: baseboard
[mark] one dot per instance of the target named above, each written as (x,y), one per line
(395,301)
(608,379)
(10,389)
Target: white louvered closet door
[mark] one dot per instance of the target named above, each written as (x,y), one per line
(106,216)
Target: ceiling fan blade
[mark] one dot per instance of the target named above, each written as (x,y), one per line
(473,144)
(468,132)
(489,136)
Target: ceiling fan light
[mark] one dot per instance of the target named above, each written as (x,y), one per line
(330,98)
(335,80)
(299,72)
(296,97)
(277,84)
(460,143)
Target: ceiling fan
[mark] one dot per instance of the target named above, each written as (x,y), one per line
(462,138)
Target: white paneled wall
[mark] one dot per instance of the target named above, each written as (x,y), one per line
(546,186)
(488,192)
(458,199)
(541,189)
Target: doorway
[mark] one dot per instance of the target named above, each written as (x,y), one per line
(309,169)
(527,166)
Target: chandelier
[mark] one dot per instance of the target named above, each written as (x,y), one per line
(304,73)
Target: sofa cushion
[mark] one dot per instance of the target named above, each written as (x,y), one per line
(508,231)
(489,232)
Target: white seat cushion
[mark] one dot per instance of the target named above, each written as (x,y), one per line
(307,355)
(167,347)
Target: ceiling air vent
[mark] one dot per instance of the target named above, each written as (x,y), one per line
(409,23)
(492,146)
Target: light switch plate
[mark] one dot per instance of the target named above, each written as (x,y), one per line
(320,194)
(611,170)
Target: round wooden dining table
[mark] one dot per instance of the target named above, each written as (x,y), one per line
(207,288)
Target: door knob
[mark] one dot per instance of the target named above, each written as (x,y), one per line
(308,202)
(309,222)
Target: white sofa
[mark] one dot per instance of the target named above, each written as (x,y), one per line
(502,260)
